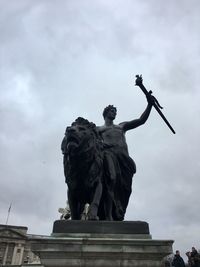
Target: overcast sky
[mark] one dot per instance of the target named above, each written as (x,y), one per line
(64,59)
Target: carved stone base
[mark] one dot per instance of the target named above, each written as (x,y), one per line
(111,244)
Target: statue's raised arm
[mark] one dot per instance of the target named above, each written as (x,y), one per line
(129,125)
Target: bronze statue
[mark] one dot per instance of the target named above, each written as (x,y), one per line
(97,165)
(119,168)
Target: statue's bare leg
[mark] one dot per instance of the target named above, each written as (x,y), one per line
(110,187)
(94,205)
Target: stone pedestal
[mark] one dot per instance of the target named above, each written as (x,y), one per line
(102,244)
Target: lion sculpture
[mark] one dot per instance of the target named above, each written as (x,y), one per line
(83,168)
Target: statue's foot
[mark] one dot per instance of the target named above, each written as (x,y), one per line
(109,218)
(92,213)
(93,218)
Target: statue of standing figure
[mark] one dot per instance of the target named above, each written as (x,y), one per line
(97,165)
(119,167)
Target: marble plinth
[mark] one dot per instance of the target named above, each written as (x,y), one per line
(101,244)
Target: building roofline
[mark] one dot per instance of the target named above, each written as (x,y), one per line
(13,226)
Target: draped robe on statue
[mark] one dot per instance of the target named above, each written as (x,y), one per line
(119,169)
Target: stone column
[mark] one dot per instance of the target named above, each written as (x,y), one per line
(5,254)
(14,256)
(21,255)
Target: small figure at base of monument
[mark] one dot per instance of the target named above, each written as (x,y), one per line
(97,165)
(65,212)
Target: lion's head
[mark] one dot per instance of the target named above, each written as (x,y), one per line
(79,137)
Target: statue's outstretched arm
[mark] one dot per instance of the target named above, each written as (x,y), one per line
(129,125)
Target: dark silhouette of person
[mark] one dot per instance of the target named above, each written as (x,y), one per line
(195,258)
(178,260)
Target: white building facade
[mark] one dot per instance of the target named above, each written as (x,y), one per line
(15,247)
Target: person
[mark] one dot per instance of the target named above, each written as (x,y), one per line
(188,254)
(178,260)
(118,165)
(195,258)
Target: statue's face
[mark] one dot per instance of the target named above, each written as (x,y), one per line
(111,114)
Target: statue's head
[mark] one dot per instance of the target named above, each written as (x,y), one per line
(110,112)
